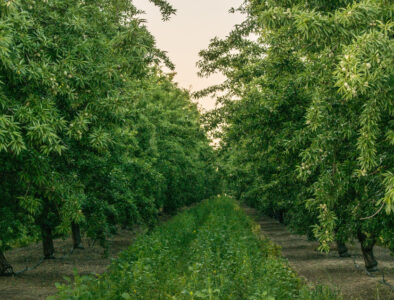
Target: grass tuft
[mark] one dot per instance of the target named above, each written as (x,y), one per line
(212,251)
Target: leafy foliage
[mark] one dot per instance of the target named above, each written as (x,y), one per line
(212,251)
(92,131)
(305,120)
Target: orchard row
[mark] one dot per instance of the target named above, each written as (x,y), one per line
(93,134)
(306,116)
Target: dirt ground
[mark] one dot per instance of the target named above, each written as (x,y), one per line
(346,274)
(315,267)
(40,282)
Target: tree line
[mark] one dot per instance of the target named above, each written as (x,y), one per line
(93,133)
(305,117)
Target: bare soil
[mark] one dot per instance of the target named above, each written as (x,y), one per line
(317,268)
(348,275)
(40,282)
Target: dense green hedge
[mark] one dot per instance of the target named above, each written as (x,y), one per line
(306,116)
(93,133)
(212,251)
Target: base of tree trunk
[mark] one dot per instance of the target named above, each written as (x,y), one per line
(76,236)
(367,249)
(47,242)
(342,249)
(281,218)
(5,268)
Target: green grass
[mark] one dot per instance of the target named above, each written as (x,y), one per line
(212,251)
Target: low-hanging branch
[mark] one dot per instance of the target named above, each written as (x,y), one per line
(376,213)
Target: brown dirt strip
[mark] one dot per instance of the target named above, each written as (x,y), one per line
(329,269)
(40,282)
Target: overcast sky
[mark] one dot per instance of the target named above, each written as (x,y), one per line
(196,22)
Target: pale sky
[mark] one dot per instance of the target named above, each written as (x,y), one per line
(188,32)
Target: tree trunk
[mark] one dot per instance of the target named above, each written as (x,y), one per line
(367,250)
(5,267)
(47,242)
(342,249)
(280,216)
(76,235)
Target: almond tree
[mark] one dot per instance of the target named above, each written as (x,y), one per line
(313,126)
(81,149)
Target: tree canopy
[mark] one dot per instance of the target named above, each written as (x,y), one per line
(93,133)
(306,117)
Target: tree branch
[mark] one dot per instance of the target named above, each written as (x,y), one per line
(378,211)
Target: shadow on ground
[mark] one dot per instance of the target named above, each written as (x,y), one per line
(40,282)
(346,274)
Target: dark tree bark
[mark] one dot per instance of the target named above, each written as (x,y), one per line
(367,250)
(47,242)
(76,235)
(5,267)
(342,249)
(280,216)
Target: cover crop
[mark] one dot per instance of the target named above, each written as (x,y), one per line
(212,251)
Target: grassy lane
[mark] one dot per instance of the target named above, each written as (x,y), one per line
(212,251)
